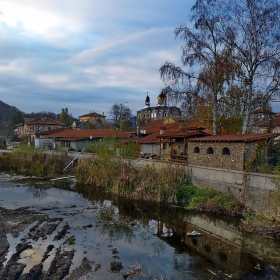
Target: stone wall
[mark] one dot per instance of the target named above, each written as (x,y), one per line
(198,155)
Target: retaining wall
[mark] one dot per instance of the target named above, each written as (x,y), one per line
(252,188)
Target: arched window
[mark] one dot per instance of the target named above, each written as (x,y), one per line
(210,151)
(225,151)
(196,150)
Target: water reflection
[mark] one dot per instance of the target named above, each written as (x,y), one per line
(221,250)
(221,242)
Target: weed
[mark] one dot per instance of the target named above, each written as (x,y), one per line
(70,240)
(194,198)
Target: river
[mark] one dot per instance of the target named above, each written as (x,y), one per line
(64,231)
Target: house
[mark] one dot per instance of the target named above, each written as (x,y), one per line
(264,121)
(82,125)
(262,115)
(161,111)
(168,137)
(31,128)
(230,151)
(77,140)
(93,118)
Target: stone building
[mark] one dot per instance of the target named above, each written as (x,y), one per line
(161,111)
(230,152)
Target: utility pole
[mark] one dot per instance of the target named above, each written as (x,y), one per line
(121,105)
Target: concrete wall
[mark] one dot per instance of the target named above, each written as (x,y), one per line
(150,148)
(252,188)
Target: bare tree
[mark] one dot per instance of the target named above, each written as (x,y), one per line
(115,112)
(232,47)
(252,29)
(201,53)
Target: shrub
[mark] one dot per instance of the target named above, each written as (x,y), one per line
(194,198)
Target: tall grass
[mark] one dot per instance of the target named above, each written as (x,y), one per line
(113,168)
(26,160)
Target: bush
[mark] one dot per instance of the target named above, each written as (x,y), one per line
(27,160)
(194,198)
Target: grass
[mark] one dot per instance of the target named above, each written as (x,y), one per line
(26,160)
(194,198)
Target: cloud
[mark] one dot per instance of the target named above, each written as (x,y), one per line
(85,55)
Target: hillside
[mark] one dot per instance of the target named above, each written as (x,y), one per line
(6,112)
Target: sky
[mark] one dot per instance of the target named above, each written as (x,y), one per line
(86,55)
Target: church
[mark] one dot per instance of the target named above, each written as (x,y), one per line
(161,111)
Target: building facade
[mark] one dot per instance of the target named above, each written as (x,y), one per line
(161,111)
(31,128)
(93,118)
(231,151)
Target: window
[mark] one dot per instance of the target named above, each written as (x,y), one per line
(210,151)
(225,151)
(196,150)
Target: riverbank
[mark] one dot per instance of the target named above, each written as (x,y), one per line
(121,238)
(120,175)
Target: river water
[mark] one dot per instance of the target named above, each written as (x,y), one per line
(149,240)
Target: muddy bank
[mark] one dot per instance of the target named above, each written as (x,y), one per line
(35,226)
(28,227)
(53,238)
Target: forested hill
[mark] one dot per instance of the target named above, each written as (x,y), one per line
(6,112)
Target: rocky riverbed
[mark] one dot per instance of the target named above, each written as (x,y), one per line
(43,238)
(64,232)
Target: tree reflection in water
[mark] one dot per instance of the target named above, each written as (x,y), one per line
(38,192)
(112,225)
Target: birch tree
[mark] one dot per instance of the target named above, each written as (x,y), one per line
(232,47)
(252,29)
(201,53)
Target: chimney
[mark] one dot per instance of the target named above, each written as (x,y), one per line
(103,113)
(162,129)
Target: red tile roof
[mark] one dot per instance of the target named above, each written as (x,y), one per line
(92,114)
(274,122)
(151,122)
(155,137)
(44,121)
(52,131)
(182,134)
(265,111)
(235,137)
(95,133)
(152,138)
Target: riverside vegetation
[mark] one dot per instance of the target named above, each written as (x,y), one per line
(112,169)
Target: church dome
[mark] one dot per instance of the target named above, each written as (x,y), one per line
(161,99)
